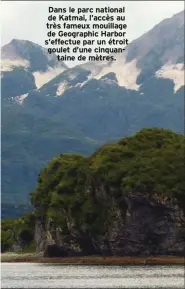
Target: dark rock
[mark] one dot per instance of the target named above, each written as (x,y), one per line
(75,254)
(55,251)
(145,226)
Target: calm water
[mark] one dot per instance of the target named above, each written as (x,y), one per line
(22,275)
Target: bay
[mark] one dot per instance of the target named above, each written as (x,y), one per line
(33,275)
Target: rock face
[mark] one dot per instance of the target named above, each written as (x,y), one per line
(143,226)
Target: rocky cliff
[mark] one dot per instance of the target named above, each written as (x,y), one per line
(126,199)
(148,227)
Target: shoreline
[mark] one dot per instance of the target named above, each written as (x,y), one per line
(93,260)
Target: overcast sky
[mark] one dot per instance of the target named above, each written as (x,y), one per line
(27,20)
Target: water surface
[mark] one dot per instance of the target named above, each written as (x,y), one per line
(33,275)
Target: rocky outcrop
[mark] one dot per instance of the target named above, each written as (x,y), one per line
(143,225)
(127,199)
(55,251)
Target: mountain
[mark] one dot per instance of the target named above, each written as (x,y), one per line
(26,66)
(159,53)
(87,105)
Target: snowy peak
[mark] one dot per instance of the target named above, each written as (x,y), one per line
(159,53)
(34,54)
(14,49)
(31,57)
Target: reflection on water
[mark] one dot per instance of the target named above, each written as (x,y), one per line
(23,275)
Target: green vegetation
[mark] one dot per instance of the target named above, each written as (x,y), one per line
(83,188)
(88,189)
(18,232)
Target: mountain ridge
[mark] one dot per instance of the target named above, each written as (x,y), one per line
(31,62)
(131,61)
(85,106)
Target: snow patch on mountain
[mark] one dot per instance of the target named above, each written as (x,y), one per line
(43,77)
(10,64)
(174,72)
(21,98)
(126,72)
(61,88)
(89,77)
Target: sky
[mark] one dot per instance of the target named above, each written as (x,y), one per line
(27,20)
